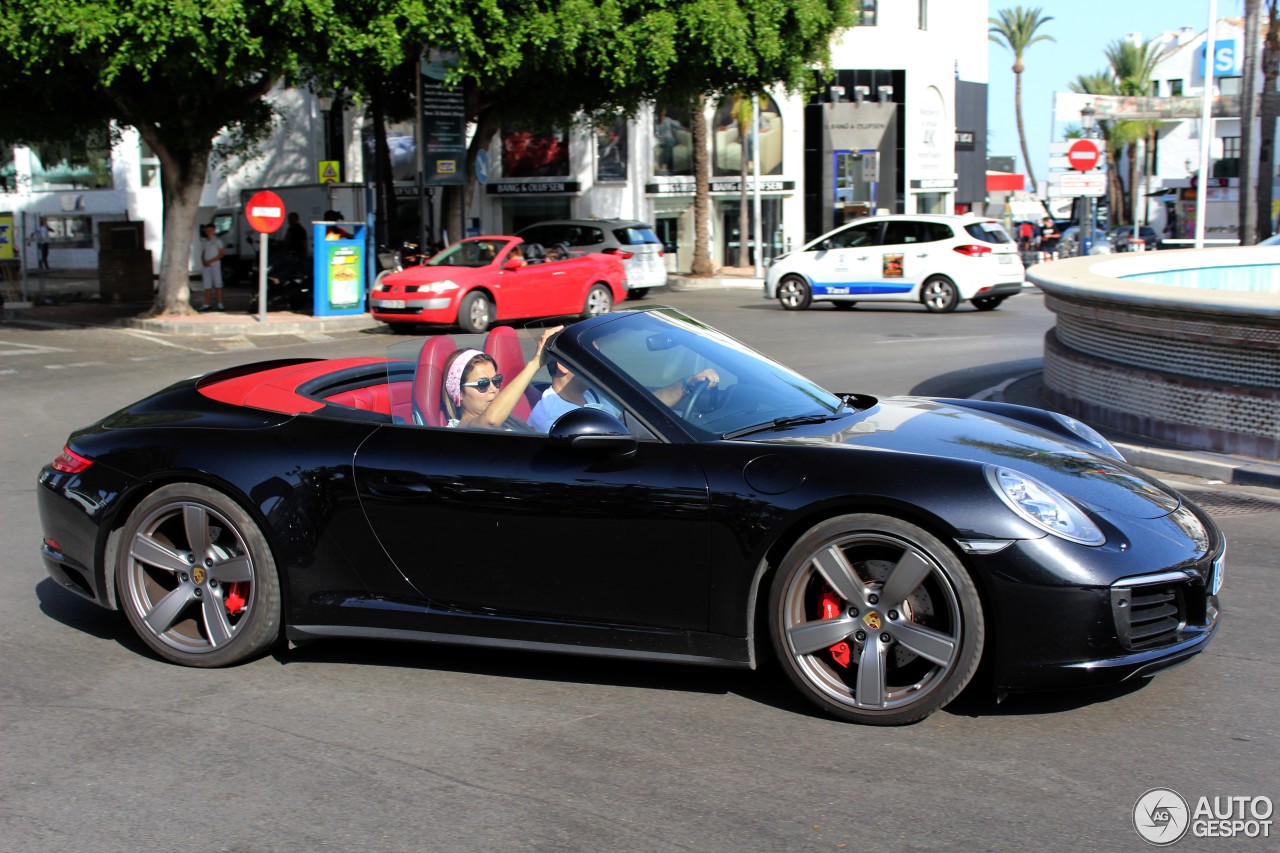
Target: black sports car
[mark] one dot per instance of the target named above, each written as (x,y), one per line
(881,548)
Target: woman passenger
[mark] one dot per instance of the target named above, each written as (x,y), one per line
(475,395)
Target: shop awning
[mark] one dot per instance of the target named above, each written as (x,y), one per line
(1005,182)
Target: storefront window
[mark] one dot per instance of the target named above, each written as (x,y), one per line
(672,140)
(530,154)
(84,164)
(71,232)
(733,126)
(150,164)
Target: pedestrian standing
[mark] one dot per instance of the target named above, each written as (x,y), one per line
(211,253)
(41,238)
(295,237)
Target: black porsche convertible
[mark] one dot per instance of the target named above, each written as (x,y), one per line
(881,548)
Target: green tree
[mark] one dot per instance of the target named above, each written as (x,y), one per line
(1016,29)
(1132,69)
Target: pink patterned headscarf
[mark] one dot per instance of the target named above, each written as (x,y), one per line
(453,382)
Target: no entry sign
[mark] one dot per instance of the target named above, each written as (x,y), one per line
(265,211)
(1083,154)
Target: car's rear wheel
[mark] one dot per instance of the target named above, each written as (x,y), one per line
(475,313)
(939,294)
(875,620)
(794,293)
(196,577)
(987,303)
(599,301)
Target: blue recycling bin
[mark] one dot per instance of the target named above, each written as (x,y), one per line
(339,271)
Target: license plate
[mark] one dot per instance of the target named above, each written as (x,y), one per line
(1006,259)
(389,303)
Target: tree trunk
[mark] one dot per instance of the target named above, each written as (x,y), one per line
(182,177)
(1248,127)
(1022,133)
(1268,109)
(702,263)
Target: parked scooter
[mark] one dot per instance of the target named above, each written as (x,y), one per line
(290,282)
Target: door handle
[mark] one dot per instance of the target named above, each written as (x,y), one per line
(390,488)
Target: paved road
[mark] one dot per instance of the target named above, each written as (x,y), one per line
(390,747)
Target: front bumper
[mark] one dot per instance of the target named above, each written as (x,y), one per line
(438,309)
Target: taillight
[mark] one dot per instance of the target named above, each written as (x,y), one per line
(974,250)
(625,256)
(70,462)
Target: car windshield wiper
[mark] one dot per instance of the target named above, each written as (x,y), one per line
(790,420)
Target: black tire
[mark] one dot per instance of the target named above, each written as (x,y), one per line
(844,306)
(599,301)
(196,578)
(881,676)
(987,303)
(638,293)
(939,294)
(475,313)
(794,293)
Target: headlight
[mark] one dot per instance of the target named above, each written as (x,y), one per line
(432,287)
(1088,434)
(1044,507)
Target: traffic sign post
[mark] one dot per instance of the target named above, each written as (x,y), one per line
(265,212)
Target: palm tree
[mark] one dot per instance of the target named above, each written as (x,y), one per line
(1016,30)
(1133,67)
(1268,109)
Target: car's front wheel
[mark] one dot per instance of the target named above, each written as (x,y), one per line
(196,577)
(599,301)
(794,293)
(475,313)
(875,620)
(939,294)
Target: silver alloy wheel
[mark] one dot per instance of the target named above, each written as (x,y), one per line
(939,295)
(875,621)
(476,313)
(794,294)
(598,301)
(196,578)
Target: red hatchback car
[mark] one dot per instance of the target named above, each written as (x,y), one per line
(481,280)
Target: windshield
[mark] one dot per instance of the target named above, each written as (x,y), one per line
(469,253)
(660,349)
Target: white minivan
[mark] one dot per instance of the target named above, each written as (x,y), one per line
(938,261)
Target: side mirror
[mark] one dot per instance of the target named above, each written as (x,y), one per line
(513,264)
(592,429)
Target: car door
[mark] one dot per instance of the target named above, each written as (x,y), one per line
(508,525)
(909,253)
(526,291)
(845,262)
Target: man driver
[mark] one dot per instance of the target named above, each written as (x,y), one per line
(568,392)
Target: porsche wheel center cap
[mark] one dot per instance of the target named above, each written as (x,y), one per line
(198,575)
(872,619)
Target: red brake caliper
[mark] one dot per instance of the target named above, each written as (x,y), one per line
(831,609)
(235,600)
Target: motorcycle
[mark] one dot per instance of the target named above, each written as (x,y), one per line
(290,283)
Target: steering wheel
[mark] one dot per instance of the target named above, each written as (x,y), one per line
(699,386)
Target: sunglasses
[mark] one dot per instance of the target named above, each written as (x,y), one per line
(482,385)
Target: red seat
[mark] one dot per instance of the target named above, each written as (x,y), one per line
(503,343)
(428,379)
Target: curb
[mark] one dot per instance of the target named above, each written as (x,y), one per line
(276,324)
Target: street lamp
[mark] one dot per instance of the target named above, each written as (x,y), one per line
(1086,238)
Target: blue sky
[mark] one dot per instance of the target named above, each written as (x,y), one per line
(1082,30)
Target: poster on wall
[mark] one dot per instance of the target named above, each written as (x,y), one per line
(611,152)
(730,134)
(529,154)
(6,237)
(672,141)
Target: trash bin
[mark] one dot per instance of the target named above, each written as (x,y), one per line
(339,268)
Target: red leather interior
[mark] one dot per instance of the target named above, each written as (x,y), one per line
(386,399)
(503,343)
(428,408)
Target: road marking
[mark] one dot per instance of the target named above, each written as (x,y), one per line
(74,364)
(29,349)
